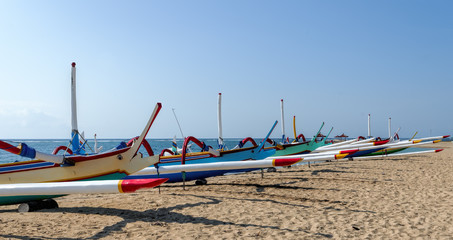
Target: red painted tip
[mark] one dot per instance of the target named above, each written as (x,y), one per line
(381,142)
(286,161)
(349,151)
(281,99)
(10,148)
(446,136)
(73,64)
(132,185)
(439,150)
(220,93)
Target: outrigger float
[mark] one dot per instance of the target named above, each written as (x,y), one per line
(34,180)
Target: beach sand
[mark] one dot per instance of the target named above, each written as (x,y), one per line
(388,198)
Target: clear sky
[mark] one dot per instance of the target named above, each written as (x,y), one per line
(331,61)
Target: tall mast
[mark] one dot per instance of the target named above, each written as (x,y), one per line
(75,132)
(219,121)
(369,126)
(283,123)
(390,127)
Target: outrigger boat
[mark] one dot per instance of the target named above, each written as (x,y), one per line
(73,165)
(280,161)
(299,145)
(405,144)
(233,166)
(209,162)
(378,147)
(205,156)
(180,160)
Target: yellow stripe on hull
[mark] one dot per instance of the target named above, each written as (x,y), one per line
(120,189)
(341,156)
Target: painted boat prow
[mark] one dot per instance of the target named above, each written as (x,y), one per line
(114,164)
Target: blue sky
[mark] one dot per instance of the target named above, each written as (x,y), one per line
(331,61)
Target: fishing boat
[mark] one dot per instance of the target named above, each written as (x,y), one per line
(389,146)
(405,144)
(73,165)
(207,155)
(359,152)
(299,145)
(209,162)
(379,148)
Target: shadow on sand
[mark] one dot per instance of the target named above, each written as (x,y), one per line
(158,217)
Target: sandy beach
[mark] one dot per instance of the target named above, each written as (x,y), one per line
(386,198)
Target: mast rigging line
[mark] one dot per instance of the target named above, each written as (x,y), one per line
(182,134)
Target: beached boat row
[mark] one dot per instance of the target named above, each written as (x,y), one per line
(125,169)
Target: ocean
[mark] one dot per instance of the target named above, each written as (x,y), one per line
(48,145)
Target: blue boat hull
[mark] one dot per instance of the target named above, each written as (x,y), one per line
(190,176)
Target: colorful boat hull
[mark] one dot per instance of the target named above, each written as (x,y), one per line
(251,153)
(386,151)
(298,148)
